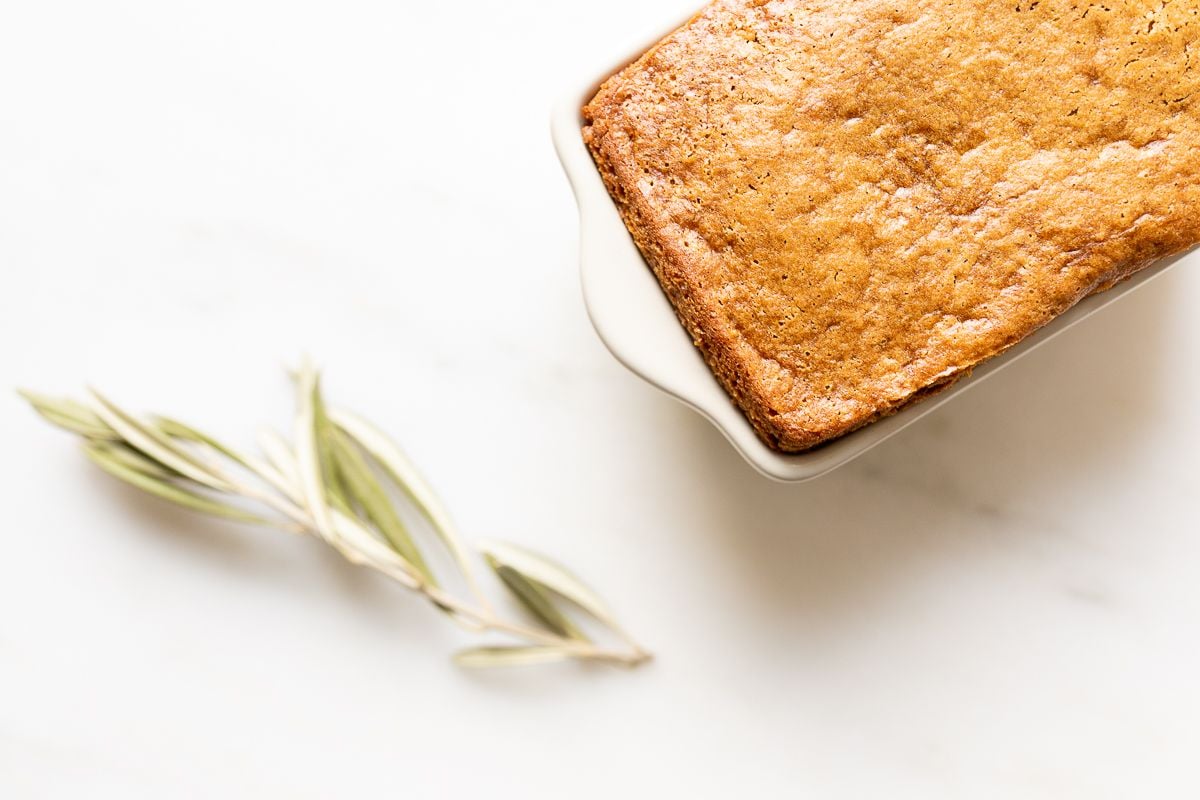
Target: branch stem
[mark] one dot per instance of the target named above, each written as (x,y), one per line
(481,617)
(178,463)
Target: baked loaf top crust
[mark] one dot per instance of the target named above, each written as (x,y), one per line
(851,203)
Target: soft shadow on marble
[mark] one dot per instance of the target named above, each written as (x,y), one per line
(291,563)
(976,475)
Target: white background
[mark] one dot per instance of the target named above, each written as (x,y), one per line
(1003,601)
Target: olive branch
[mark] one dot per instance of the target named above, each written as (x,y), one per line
(339,479)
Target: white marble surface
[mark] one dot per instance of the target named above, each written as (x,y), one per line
(1003,601)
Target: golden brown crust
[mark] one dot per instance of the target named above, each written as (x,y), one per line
(852,204)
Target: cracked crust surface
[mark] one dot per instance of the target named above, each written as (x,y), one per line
(852,203)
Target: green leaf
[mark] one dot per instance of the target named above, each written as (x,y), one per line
(308,456)
(279,454)
(118,468)
(547,574)
(361,546)
(178,430)
(155,444)
(508,656)
(126,455)
(364,491)
(404,474)
(323,430)
(281,458)
(538,602)
(70,416)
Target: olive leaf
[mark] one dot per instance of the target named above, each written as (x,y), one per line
(406,477)
(70,416)
(279,454)
(118,467)
(361,546)
(509,656)
(363,491)
(178,430)
(536,601)
(323,430)
(124,454)
(547,574)
(308,457)
(155,444)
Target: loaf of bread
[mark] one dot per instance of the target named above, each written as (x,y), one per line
(852,203)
